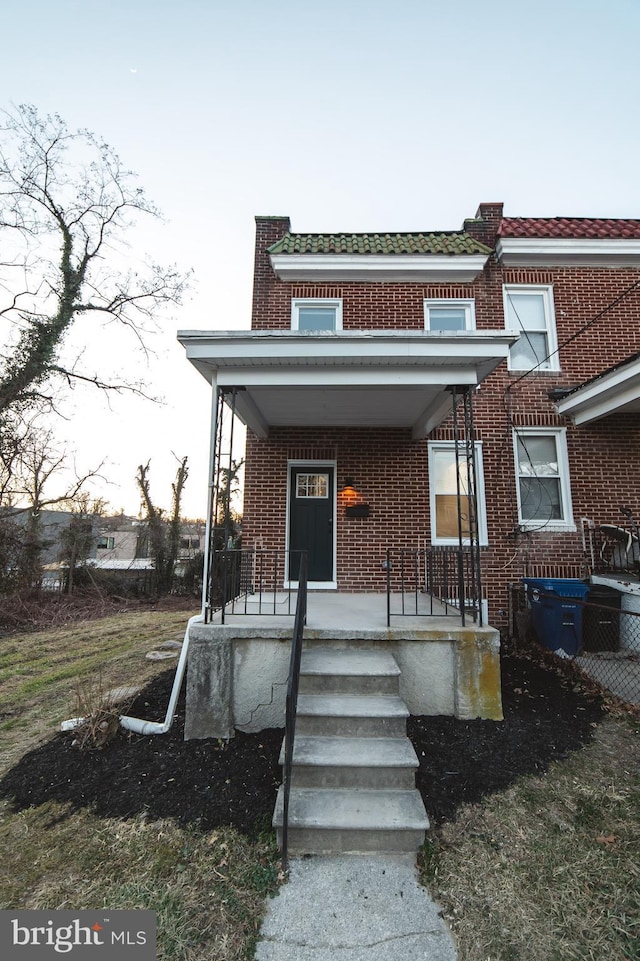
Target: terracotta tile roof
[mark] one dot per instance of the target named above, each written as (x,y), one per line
(588,228)
(446,242)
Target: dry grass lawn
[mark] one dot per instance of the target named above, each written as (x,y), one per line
(207,888)
(549,869)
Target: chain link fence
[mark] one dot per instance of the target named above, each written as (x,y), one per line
(596,627)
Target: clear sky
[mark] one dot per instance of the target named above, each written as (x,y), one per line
(346,115)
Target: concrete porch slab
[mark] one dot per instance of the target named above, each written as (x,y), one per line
(337,615)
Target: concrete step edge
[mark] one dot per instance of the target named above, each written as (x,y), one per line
(348,663)
(348,809)
(352,705)
(344,751)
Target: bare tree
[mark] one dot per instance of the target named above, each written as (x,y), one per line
(164,533)
(38,464)
(66,205)
(79,537)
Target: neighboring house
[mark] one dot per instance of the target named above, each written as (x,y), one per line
(359,346)
(123,545)
(51,532)
(118,544)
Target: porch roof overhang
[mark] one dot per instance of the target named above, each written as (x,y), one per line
(288,378)
(615,391)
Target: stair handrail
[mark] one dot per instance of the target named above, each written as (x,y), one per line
(292,702)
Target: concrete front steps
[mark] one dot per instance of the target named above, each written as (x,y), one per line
(353,778)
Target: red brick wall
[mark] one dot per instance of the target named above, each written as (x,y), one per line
(390,470)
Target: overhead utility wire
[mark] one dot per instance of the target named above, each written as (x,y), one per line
(625,293)
(507,393)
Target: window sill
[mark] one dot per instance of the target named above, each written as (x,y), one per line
(516,371)
(553,527)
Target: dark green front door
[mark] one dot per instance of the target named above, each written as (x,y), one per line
(311,499)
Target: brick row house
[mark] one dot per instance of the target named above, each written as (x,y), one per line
(428,415)
(360,347)
(357,340)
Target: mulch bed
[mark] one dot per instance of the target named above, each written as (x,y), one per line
(208,784)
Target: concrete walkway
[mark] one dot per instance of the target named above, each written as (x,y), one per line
(354,908)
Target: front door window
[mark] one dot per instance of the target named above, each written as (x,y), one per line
(311,510)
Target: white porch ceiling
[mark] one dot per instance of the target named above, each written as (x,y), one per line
(345,379)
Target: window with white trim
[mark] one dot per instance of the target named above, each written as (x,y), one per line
(542,470)
(449,315)
(311,313)
(443,494)
(528,310)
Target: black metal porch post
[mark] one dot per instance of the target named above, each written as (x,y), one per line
(464,446)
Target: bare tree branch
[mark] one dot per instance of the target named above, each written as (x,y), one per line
(66,203)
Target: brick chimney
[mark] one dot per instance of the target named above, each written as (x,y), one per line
(486,223)
(268,230)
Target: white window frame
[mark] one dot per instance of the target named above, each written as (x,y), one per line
(467,304)
(552,361)
(566,523)
(298,302)
(483,540)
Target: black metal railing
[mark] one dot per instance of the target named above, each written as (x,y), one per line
(292,701)
(253,582)
(432,582)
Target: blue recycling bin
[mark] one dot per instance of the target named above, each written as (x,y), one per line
(556,610)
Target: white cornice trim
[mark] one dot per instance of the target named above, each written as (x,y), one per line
(398,268)
(565,252)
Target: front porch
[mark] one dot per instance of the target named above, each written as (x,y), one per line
(339,614)
(336,468)
(238,670)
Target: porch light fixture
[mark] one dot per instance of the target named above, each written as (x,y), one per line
(348,487)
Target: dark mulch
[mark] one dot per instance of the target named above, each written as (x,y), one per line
(208,784)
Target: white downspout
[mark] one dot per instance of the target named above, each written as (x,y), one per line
(155,727)
(152,727)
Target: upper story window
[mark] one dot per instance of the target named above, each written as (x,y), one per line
(449,315)
(542,468)
(316,314)
(528,309)
(106,543)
